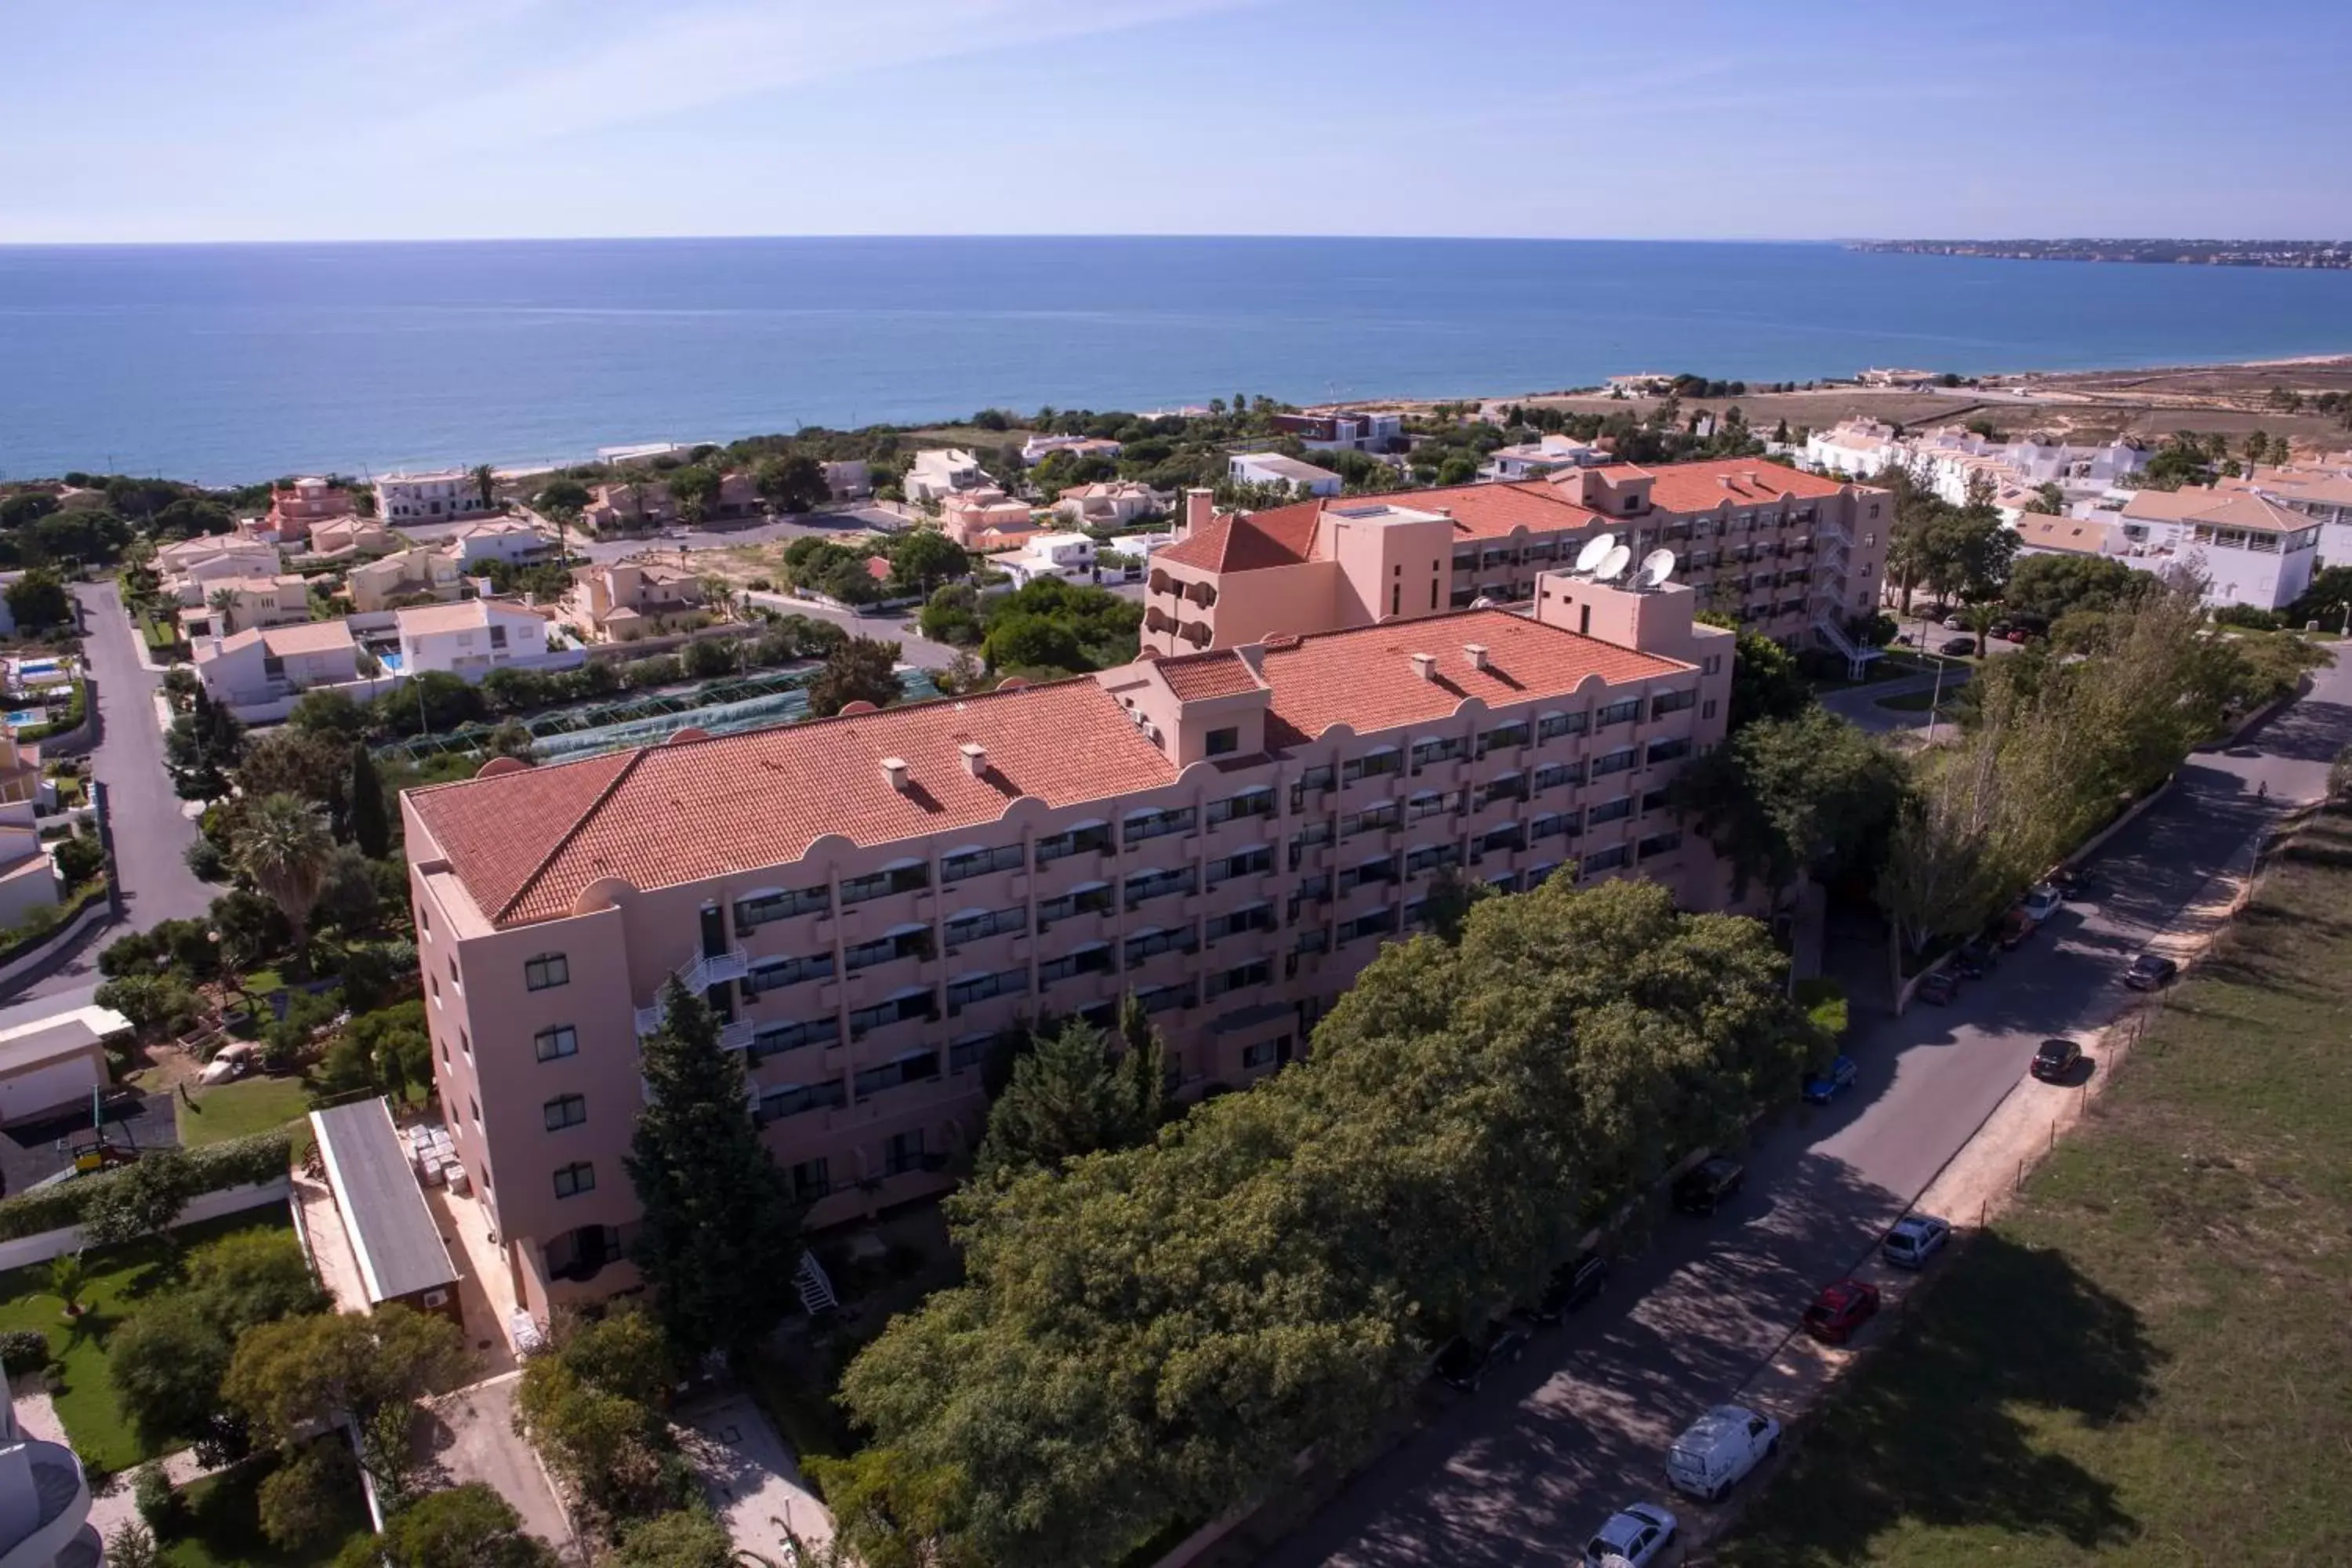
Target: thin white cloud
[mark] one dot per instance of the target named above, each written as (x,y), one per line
(597,68)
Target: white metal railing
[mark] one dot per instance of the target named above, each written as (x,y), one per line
(697,974)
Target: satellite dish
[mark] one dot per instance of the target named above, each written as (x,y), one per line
(1656,567)
(1612,566)
(1596,550)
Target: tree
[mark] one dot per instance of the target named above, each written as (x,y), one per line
(370,823)
(284,847)
(130,1544)
(287,1376)
(2045,587)
(222,603)
(1068,1097)
(247,1278)
(142,1201)
(1765,680)
(562,501)
(923,558)
(166,1368)
(1785,798)
(468,1526)
(793,484)
(683,1538)
(889,1513)
(694,488)
(589,1406)
(68,1276)
(39,599)
(1017,639)
(300,1502)
(719,1224)
(329,713)
(308,766)
(863,670)
(486,484)
(388,1050)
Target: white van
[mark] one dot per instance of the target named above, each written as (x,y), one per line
(1721,1447)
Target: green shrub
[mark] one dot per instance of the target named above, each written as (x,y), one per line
(23,1350)
(211,1168)
(1824,1003)
(163,1509)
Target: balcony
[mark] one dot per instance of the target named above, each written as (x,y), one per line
(60,1513)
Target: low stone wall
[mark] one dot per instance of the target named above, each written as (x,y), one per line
(36,959)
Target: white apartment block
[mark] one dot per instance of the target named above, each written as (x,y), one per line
(442,496)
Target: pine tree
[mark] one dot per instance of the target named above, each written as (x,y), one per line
(720,1238)
(1068,1097)
(371,824)
(1144,1067)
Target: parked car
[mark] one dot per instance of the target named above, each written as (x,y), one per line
(1975,957)
(1464,1364)
(1999,629)
(1573,1284)
(2151,972)
(1915,1238)
(1958,648)
(1956,623)
(1822,1087)
(1841,1310)
(1707,1187)
(2017,634)
(1641,1532)
(2056,1061)
(2012,930)
(1939,987)
(2074,883)
(2043,902)
(1719,1449)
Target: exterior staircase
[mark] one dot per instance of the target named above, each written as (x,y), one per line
(815,1289)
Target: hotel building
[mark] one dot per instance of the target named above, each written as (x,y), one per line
(869,901)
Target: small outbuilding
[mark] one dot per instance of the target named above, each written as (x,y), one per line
(394,1243)
(49,1061)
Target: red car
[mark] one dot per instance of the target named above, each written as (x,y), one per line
(1840,1310)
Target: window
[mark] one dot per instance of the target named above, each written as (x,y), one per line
(896,1010)
(1258,802)
(1257,916)
(1159,823)
(812,1179)
(778,973)
(1091,901)
(1379,923)
(1451,748)
(1610,811)
(1159,998)
(1706,710)
(570,1181)
(995,922)
(898,879)
(795,1099)
(1656,800)
(1558,776)
(1608,859)
(915,1067)
(1668,750)
(1552,826)
(566,1110)
(1713,664)
(1225,741)
(1076,840)
(969,1052)
(1371,819)
(546,972)
(1251,862)
(1373,766)
(1623,713)
(962,993)
(1383,871)
(548,1044)
(1660,844)
(1258,1055)
(1552,726)
(886,949)
(1514,734)
(1613,762)
(761,907)
(1152,944)
(498,637)
(902,1154)
(980,862)
(1257,972)
(1671,702)
(1151,885)
(1095,960)
(1429,856)
(777,1038)
(1320,777)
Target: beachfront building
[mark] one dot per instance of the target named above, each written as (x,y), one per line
(1535,459)
(622,601)
(298,508)
(2321,490)
(1854,448)
(1069,556)
(1113,503)
(1334,430)
(410,574)
(240,604)
(939,472)
(851,479)
(350,536)
(1795,556)
(2251,548)
(469,639)
(1274,468)
(986,518)
(1038,448)
(445,495)
(870,902)
(509,539)
(190,569)
(252,670)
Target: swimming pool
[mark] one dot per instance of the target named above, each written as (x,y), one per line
(32,666)
(24,716)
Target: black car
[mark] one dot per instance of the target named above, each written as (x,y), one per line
(2074,883)
(1975,956)
(1707,1188)
(1573,1284)
(1940,986)
(2056,1061)
(1958,648)
(2151,972)
(1465,1364)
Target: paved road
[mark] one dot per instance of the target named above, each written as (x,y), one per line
(151,836)
(1860,704)
(1519,1473)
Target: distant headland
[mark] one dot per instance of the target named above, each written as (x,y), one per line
(2331,255)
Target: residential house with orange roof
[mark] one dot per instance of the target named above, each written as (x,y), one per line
(299,507)
(191,568)
(278,600)
(253,670)
(350,536)
(2250,548)
(986,518)
(470,639)
(1794,556)
(1113,503)
(409,574)
(870,902)
(622,601)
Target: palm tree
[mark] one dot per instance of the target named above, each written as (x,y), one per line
(486,481)
(222,603)
(68,1277)
(284,847)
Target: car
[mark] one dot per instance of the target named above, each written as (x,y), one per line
(1640,1532)
(2012,930)
(1822,1087)
(1958,648)
(2056,1061)
(2043,902)
(1464,1364)
(1707,1187)
(1956,623)
(2151,972)
(1573,1284)
(1938,986)
(2074,883)
(1975,957)
(1915,1238)
(1999,629)
(1716,1451)
(1904,639)
(1838,1313)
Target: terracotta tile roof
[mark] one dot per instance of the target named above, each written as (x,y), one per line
(1231,543)
(2066,535)
(1198,676)
(1492,511)
(1365,678)
(2216,509)
(525,844)
(1742,482)
(423,620)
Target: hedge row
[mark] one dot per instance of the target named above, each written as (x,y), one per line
(240,1162)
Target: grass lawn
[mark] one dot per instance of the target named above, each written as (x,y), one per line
(122,1280)
(224,1525)
(224,1110)
(2147,1360)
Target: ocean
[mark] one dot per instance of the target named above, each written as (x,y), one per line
(232,364)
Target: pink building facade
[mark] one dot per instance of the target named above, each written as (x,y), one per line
(872,902)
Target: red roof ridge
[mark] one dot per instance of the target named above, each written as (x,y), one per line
(564,840)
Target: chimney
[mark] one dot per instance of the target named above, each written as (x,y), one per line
(1425,664)
(895,770)
(975,758)
(1477,652)
(1199,507)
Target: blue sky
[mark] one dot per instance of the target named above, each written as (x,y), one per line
(167,119)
